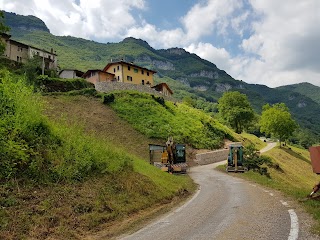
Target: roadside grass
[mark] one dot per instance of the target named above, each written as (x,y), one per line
(252,139)
(293,176)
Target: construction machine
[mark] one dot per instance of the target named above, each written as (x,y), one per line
(169,158)
(235,158)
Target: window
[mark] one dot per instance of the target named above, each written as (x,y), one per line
(129,68)
(114,70)
(129,78)
(142,71)
(142,82)
(147,73)
(17,59)
(136,70)
(118,78)
(118,68)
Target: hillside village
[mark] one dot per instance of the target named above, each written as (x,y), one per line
(118,75)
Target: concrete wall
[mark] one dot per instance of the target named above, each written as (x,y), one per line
(212,157)
(113,86)
(69,74)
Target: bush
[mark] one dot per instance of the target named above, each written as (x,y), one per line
(47,84)
(108,98)
(253,161)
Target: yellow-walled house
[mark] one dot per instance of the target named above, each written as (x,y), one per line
(130,73)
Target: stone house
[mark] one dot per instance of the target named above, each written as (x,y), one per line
(70,73)
(130,73)
(96,75)
(21,52)
(163,88)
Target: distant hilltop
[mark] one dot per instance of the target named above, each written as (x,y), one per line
(27,23)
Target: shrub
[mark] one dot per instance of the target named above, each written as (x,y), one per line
(108,98)
(253,161)
(47,84)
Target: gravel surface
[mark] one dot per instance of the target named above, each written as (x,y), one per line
(226,207)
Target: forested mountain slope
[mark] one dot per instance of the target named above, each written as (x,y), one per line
(186,73)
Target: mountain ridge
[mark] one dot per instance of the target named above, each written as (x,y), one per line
(186,73)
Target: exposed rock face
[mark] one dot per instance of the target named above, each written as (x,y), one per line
(220,87)
(292,97)
(201,88)
(241,86)
(163,65)
(144,58)
(185,81)
(301,104)
(207,74)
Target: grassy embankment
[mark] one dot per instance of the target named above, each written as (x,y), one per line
(294,177)
(58,181)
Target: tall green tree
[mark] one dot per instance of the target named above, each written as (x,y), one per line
(3,29)
(277,121)
(236,110)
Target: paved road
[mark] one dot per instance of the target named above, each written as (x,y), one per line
(227,208)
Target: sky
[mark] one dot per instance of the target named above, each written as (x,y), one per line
(267,42)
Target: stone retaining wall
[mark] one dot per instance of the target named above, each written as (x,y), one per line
(107,87)
(212,157)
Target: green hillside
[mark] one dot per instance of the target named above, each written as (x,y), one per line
(306,89)
(187,74)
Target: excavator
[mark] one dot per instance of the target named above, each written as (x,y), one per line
(235,158)
(169,158)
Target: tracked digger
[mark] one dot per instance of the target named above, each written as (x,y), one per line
(235,158)
(170,157)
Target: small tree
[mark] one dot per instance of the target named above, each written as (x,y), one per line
(236,109)
(277,121)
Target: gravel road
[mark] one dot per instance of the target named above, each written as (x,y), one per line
(228,208)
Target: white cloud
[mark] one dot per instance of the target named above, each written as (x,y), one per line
(213,15)
(84,18)
(282,48)
(218,56)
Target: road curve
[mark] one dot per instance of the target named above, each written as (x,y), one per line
(228,208)
(225,208)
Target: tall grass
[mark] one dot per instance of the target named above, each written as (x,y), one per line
(34,147)
(158,119)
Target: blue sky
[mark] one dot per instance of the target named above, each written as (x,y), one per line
(258,41)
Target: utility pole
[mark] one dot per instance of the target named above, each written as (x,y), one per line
(42,62)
